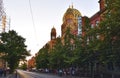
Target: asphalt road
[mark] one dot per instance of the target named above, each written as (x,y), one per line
(27,74)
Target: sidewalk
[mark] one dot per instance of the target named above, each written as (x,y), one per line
(10,76)
(73,77)
(66,76)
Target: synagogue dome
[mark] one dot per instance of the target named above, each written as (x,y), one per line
(70,13)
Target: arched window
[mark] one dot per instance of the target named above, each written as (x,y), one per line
(97,22)
(92,25)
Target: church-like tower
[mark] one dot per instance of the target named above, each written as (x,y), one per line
(102,4)
(53,33)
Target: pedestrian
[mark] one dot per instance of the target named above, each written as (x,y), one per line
(0,72)
(60,72)
(73,72)
(15,73)
(4,72)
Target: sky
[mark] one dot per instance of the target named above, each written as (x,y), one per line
(34,19)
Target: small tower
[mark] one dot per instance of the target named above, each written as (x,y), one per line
(102,4)
(53,33)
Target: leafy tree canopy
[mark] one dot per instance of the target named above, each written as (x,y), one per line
(12,45)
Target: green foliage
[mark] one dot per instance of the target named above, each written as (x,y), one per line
(69,47)
(56,55)
(42,58)
(12,45)
(23,66)
(61,55)
(101,43)
(110,29)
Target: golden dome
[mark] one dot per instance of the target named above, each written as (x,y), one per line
(71,12)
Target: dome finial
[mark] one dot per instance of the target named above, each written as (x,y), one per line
(72,5)
(69,6)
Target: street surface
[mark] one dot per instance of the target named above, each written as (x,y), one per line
(27,74)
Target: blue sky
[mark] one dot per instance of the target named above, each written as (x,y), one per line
(46,14)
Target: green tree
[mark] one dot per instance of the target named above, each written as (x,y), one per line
(88,42)
(42,57)
(110,30)
(12,45)
(56,55)
(69,47)
(79,52)
(23,66)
